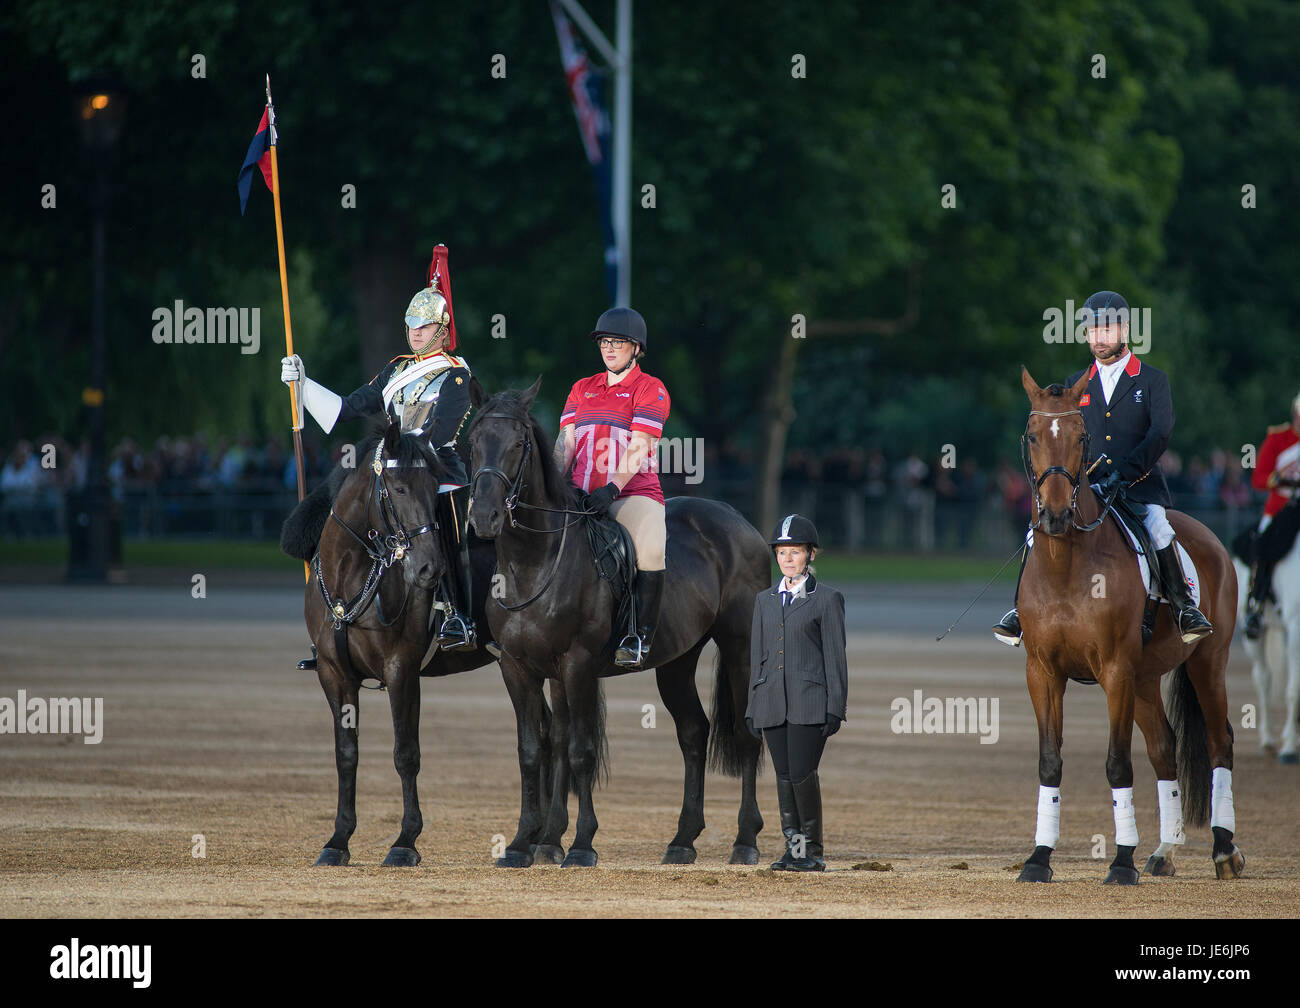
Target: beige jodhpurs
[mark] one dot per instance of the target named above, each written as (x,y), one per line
(643,517)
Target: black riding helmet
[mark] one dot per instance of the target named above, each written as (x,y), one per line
(793,530)
(624,322)
(1104,308)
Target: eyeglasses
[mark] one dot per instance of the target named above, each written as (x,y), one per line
(612,344)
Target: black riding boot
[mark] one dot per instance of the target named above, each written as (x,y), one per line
(457,630)
(1007,629)
(808,799)
(1261,585)
(634,651)
(1191,624)
(789,822)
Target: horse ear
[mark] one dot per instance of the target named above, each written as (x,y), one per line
(530,394)
(392,438)
(1031,386)
(1076,391)
(476,393)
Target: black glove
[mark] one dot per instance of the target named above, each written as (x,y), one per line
(598,501)
(1109,482)
(749,723)
(832,726)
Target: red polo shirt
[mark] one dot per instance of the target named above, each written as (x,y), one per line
(604,417)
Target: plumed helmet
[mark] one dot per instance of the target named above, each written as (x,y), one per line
(433,304)
(794,529)
(1104,308)
(624,322)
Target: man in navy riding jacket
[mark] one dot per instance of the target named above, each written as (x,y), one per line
(1129,415)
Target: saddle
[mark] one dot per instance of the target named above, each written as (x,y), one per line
(615,559)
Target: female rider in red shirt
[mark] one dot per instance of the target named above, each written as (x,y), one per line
(609,431)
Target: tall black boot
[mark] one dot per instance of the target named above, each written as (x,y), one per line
(634,651)
(457,631)
(789,822)
(1261,585)
(1191,624)
(808,799)
(1007,629)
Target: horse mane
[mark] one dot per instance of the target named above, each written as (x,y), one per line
(411,449)
(557,488)
(1055,390)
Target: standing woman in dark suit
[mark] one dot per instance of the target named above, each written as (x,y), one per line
(798,685)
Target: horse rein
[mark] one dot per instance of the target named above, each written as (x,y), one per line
(1075,478)
(395,544)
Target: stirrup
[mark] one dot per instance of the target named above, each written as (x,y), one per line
(1007,629)
(631,655)
(456,633)
(309,664)
(1200,626)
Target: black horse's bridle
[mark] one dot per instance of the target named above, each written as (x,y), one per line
(386,546)
(1075,478)
(515,486)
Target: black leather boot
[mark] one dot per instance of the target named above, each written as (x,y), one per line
(1261,586)
(808,799)
(1191,624)
(634,651)
(457,632)
(1007,629)
(789,822)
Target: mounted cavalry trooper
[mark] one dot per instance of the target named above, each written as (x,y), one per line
(1278,471)
(798,685)
(1128,414)
(611,424)
(403,391)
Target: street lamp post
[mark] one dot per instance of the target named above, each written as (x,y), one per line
(100,107)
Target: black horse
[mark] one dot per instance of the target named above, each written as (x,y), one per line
(552,618)
(366,622)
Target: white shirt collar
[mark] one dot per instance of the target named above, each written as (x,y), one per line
(1110,373)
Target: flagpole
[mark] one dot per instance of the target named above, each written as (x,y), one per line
(284,297)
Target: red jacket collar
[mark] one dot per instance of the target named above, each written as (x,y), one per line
(1132,368)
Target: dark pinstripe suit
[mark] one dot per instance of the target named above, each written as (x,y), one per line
(798,667)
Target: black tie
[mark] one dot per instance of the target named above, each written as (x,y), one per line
(785,599)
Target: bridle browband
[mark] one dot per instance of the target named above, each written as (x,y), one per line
(1075,478)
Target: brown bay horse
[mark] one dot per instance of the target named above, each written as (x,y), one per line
(1081,600)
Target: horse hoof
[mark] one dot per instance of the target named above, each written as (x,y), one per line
(331,857)
(515,859)
(402,857)
(679,855)
(549,854)
(580,859)
(1121,875)
(1231,865)
(1162,867)
(1289,758)
(1034,872)
(744,854)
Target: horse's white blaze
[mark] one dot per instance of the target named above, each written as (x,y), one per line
(1056,428)
(1048,833)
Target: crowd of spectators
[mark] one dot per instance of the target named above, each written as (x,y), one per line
(38,475)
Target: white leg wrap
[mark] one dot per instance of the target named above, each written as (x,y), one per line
(1171,815)
(1221,813)
(1048,833)
(1126,827)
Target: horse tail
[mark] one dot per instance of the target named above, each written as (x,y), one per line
(1193,748)
(724,752)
